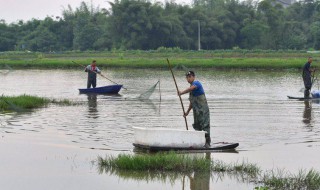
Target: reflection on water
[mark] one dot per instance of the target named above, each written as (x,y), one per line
(201,179)
(307,114)
(92,103)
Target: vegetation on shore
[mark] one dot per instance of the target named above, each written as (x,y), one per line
(172,166)
(27,102)
(140,24)
(219,59)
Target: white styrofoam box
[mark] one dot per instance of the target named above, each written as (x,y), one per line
(166,137)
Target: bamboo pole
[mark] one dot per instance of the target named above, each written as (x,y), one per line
(175,82)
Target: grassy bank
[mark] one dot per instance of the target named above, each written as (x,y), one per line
(171,166)
(27,102)
(220,59)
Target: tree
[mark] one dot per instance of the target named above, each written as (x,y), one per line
(252,33)
(41,39)
(315,31)
(271,14)
(7,38)
(86,30)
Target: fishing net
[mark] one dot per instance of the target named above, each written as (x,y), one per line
(146,95)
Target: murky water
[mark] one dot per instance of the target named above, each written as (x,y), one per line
(53,147)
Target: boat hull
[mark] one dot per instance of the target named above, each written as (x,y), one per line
(111,89)
(222,146)
(303,99)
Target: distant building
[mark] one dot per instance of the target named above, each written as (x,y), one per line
(286,3)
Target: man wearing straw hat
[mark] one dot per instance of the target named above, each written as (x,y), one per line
(199,106)
(92,74)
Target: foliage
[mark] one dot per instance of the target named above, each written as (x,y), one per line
(140,24)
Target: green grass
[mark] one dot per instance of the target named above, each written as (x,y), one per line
(159,162)
(219,59)
(168,162)
(27,102)
(23,101)
(172,166)
(283,180)
(218,63)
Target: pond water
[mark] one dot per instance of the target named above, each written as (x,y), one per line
(56,147)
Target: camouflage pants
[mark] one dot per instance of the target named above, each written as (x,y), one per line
(201,114)
(307,84)
(91,81)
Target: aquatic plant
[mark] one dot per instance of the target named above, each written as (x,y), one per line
(283,180)
(27,102)
(157,162)
(173,162)
(65,102)
(172,166)
(22,102)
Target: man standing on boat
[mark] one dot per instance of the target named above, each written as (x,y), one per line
(92,74)
(199,106)
(306,75)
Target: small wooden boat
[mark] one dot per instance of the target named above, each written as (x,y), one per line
(164,139)
(221,146)
(111,89)
(315,95)
(303,98)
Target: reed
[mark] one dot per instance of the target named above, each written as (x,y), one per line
(283,180)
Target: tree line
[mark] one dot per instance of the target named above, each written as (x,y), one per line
(140,24)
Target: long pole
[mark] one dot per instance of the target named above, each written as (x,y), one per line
(175,82)
(99,74)
(312,80)
(159,90)
(199,45)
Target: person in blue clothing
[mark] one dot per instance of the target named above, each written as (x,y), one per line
(199,106)
(306,75)
(92,70)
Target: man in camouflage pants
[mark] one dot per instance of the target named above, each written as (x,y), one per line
(307,77)
(199,106)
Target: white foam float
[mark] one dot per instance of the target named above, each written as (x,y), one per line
(167,137)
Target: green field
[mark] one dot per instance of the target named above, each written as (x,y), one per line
(220,59)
